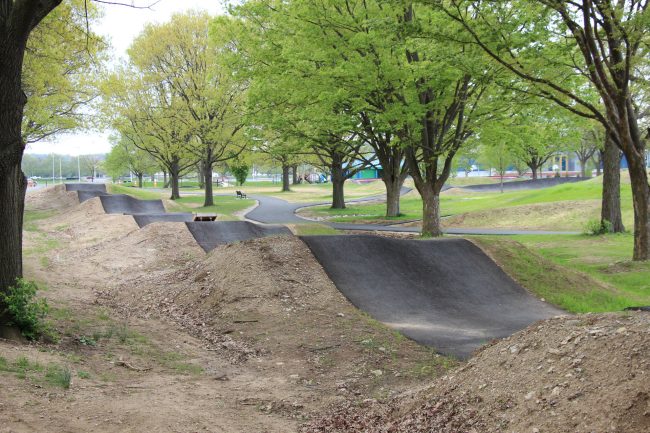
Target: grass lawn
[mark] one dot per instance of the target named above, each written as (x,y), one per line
(225,206)
(582,203)
(303,193)
(579,273)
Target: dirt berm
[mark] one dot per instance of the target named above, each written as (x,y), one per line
(443,293)
(566,375)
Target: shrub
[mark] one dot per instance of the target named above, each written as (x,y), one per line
(25,311)
(597,227)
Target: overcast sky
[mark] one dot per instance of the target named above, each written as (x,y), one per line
(121,25)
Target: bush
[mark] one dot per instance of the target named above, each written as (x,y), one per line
(596,227)
(25,311)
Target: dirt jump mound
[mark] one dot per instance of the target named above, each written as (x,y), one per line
(442,293)
(577,374)
(125,204)
(212,234)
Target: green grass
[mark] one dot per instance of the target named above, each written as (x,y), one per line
(411,205)
(23,368)
(314,229)
(30,218)
(578,273)
(225,206)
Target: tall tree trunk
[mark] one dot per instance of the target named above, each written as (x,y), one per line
(294,172)
(583,168)
(165,179)
(393,189)
(641,203)
(200,169)
(611,199)
(431,213)
(207,176)
(174,174)
(338,184)
(533,168)
(286,187)
(139,176)
(13,183)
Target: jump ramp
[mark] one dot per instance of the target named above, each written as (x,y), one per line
(442,293)
(86,191)
(127,205)
(210,235)
(97,187)
(146,219)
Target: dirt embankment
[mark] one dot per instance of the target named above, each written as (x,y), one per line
(52,198)
(251,337)
(577,374)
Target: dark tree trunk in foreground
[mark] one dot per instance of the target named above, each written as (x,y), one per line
(611,200)
(286,186)
(207,180)
(174,174)
(338,183)
(139,176)
(294,172)
(17,19)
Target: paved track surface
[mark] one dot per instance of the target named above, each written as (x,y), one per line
(450,231)
(524,184)
(99,187)
(273,210)
(211,234)
(125,204)
(87,195)
(442,293)
(86,191)
(146,219)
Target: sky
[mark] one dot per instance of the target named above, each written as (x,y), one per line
(121,25)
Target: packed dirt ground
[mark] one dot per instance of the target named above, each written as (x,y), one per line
(158,336)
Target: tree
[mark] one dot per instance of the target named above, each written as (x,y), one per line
(124,157)
(181,54)
(585,149)
(60,74)
(92,163)
(240,170)
(605,44)
(147,113)
(18,20)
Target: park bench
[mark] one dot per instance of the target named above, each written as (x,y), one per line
(241,194)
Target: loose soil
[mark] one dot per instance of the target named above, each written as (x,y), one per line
(159,336)
(577,374)
(253,337)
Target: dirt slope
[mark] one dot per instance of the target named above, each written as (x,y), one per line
(584,374)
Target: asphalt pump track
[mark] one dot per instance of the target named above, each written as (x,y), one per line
(208,234)
(445,293)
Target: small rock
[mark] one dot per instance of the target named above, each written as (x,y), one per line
(530,395)
(340,315)
(377,373)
